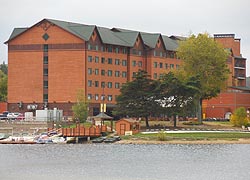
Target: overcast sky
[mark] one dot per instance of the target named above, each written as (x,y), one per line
(168,17)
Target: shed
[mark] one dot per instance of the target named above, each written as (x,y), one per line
(127,126)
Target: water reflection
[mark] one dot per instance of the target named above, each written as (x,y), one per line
(124,162)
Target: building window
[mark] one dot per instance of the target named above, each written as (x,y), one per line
(124,51)
(102,48)
(96,71)
(134,51)
(117,61)
(171,66)
(96,83)
(161,76)
(89,47)
(109,97)
(124,62)
(139,53)
(89,83)
(109,60)
(117,85)
(139,63)
(109,84)
(124,74)
(109,72)
(45,48)
(45,72)
(171,55)
(103,60)
(155,64)
(155,75)
(45,60)
(133,63)
(89,58)
(166,66)
(109,48)
(161,65)
(96,59)
(177,66)
(103,84)
(103,72)
(45,97)
(96,97)
(116,50)
(96,47)
(117,73)
(89,96)
(89,71)
(155,53)
(161,54)
(45,84)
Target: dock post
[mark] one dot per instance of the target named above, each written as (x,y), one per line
(88,139)
(77,140)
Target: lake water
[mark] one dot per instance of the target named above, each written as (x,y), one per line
(125,162)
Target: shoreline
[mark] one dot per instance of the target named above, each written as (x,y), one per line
(239,141)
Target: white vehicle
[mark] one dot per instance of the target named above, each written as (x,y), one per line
(13,116)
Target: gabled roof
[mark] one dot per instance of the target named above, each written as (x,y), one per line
(114,36)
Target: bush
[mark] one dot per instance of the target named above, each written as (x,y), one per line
(162,136)
(239,117)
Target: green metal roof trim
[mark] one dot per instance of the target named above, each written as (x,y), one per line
(114,36)
(16,32)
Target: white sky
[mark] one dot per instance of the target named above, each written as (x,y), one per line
(168,17)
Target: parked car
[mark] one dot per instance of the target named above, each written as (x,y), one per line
(12,116)
(3,116)
(20,117)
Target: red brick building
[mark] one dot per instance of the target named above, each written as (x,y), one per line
(49,61)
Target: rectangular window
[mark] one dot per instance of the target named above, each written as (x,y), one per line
(96,83)
(89,83)
(109,60)
(124,62)
(109,72)
(117,73)
(89,71)
(45,84)
(117,61)
(161,65)
(171,55)
(177,66)
(102,48)
(155,64)
(117,85)
(109,48)
(161,54)
(171,66)
(109,84)
(45,60)
(103,60)
(134,74)
(89,47)
(103,72)
(45,72)
(139,63)
(109,97)
(96,47)
(124,74)
(89,96)
(155,54)
(45,48)
(155,75)
(166,66)
(124,51)
(103,84)
(133,63)
(45,97)
(96,59)
(89,58)
(139,53)
(96,71)
(116,50)
(134,51)
(96,97)
(161,76)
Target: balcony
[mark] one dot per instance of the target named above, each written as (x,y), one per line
(239,66)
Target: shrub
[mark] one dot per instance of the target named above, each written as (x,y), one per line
(162,136)
(239,117)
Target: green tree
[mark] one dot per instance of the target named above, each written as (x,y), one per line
(80,108)
(204,58)
(3,86)
(178,93)
(137,98)
(4,68)
(239,117)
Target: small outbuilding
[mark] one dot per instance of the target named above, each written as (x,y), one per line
(127,126)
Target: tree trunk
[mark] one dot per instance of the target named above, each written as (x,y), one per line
(200,111)
(174,116)
(146,120)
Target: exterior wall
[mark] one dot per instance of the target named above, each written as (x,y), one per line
(3,107)
(225,102)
